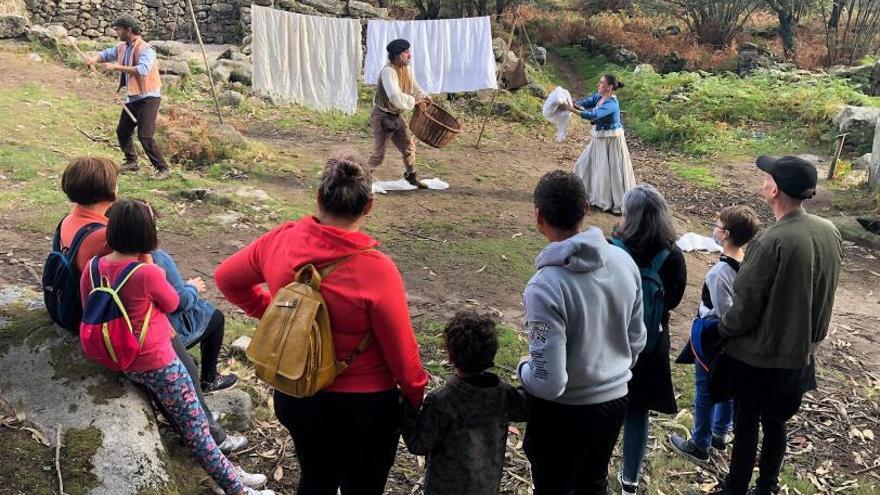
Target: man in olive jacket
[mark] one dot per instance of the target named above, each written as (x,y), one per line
(783,296)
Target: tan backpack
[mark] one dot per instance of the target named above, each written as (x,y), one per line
(292,349)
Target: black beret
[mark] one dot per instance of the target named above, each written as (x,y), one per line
(397,47)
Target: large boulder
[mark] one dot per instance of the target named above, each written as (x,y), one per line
(231,98)
(332,7)
(859,122)
(622,56)
(168,48)
(362,10)
(299,8)
(862,163)
(239,71)
(673,63)
(48,381)
(51,36)
(173,67)
(539,56)
(13,26)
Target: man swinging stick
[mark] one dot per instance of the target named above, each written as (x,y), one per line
(396,92)
(135,60)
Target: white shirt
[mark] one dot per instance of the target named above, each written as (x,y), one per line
(401,101)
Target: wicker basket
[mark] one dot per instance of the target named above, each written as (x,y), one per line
(433,124)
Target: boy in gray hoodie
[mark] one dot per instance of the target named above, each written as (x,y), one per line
(584,320)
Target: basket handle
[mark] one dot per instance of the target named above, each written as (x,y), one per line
(426,103)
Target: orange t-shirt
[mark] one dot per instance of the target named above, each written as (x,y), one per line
(95,244)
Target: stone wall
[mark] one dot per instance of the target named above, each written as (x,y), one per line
(219,21)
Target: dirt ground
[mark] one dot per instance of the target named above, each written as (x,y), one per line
(488,204)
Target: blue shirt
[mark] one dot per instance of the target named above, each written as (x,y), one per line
(605,117)
(191,318)
(146,59)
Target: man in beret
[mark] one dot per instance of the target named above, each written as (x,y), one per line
(396,92)
(135,60)
(783,296)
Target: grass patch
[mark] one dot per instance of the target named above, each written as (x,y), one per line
(697,174)
(27,466)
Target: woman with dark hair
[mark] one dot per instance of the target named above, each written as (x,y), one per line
(647,232)
(605,165)
(147,298)
(346,435)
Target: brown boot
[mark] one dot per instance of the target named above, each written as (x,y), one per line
(412,179)
(129,167)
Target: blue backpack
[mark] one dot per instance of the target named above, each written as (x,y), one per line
(652,295)
(61,279)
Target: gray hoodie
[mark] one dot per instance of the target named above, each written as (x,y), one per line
(584,319)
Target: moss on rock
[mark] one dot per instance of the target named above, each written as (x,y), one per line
(27,466)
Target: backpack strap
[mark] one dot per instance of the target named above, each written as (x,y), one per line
(56,239)
(80,236)
(123,277)
(94,273)
(362,346)
(659,259)
(619,243)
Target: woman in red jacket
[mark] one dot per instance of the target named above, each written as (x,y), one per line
(346,435)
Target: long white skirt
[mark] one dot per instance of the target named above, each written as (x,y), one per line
(606,169)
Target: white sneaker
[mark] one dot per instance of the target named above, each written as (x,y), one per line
(626,488)
(233,443)
(254,480)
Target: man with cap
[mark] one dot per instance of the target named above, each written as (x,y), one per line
(783,296)
(135,60)
(396,92)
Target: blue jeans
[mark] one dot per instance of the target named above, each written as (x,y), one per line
(709,418)
(635,442)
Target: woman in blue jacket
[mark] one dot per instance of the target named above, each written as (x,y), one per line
(197,321)
(605,165)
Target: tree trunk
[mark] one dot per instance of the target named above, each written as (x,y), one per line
(836,10)
(788,33)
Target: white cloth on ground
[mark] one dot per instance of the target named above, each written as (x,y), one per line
(606,169)
(310,60)
(696,242)
(448,55)
(555,115)
(382,187)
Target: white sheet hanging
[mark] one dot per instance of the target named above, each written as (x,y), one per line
(448,55)
(310,60)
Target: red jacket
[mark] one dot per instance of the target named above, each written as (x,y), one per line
(365,293)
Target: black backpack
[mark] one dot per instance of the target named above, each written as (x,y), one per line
(61,279)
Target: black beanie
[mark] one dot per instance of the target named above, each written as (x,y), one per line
(397,47)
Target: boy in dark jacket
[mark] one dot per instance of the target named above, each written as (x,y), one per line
(462,427)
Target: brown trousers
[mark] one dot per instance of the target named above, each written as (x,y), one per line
(145,111)
(402,139)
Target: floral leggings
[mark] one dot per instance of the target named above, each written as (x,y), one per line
(173,386)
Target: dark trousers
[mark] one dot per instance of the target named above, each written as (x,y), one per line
(145,111)
(771,412)
(342,440)
(210,342)
(216,430)
(570,447)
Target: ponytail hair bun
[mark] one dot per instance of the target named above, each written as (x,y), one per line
(346,185)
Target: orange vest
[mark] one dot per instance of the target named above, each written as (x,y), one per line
(138,85)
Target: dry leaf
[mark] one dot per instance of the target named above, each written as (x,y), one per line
(38,436)
(481,269)
(868,435)
(504,257)
(514,236)
(279,473)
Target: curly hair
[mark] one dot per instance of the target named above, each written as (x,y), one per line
(471,341)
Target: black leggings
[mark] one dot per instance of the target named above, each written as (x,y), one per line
(343,440)
(210,342)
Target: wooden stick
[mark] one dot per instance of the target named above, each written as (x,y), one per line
(58,459)
(495,93)
(192,13)
(842,138)
(94,71)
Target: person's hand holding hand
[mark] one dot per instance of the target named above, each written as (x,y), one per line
(198,283)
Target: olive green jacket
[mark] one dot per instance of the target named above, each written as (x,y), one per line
(784,292)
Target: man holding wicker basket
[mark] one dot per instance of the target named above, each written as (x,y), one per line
(397,91)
